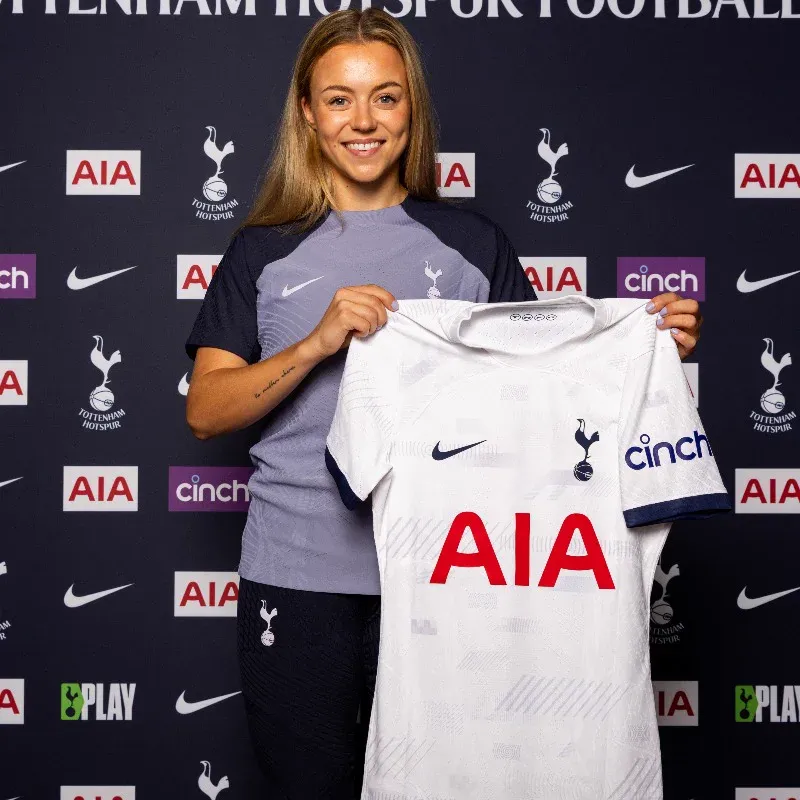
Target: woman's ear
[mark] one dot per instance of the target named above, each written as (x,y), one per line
(307,113)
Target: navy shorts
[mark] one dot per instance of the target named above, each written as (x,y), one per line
(308,662)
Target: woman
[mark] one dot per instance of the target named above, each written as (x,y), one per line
(295,284)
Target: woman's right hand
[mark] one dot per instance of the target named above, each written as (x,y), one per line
(353,311)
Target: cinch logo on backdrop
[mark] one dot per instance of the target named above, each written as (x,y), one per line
(13,383)
(753,702)
(762,175)
(104,172)
(551,206)
(105,702)
(768,794)
(455,174)
(768,491)
(209,488)
(554,277)
(206,594)
(194,275)
(98,793)
(101,488)
(17,276)
(676,703)
(647,277)
(12,701)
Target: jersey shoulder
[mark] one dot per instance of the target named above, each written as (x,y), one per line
(261,245)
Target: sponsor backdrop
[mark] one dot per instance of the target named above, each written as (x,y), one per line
(626,146)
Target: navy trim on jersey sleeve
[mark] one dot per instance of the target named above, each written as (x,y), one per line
(509,281)
(349,497)
(698,507)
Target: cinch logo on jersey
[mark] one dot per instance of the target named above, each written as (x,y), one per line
(676,703)
(104,172)
(776,419)
(206,594)
(12,701)
(17,276)
(215,190)
(687,448)
(194,275)
(455,174)
(768,491)
(209,488)
(549,191)
(752,703)
(104,417)
(647,277)
(101,488)
(108,702)
(768,794)
(13,383)
(765,175)
(98,793)
(554,277)
(664,629)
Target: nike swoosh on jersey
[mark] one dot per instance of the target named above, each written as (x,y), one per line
(440,455)
(635,182)
(76,283)
(744,602)
(72,600)
(13,480)
(11,166)
(744,285)
(287,291)
(183,706)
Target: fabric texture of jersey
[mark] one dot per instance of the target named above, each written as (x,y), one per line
(270,291)
(526,461)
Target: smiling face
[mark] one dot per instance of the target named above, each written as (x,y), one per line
(361,110)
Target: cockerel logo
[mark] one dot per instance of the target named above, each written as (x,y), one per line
(583,469)
(215,189)
(208,788)
(773,401)
(102,398)
(549,191)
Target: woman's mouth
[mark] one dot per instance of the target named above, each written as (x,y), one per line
(363,150)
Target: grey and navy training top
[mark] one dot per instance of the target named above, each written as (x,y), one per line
(270,291)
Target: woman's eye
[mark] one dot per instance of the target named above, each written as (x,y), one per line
(334,101)
(390,97)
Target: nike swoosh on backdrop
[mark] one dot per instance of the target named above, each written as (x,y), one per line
(76,283)
(13,480)
(183,706)
(744,602)
(287,291)
(183,386)
(744,285)
(440,455)
(635,182)
(74,601)
(11,166)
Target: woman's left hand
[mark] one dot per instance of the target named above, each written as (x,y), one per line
(683,317)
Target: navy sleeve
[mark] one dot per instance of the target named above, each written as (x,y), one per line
(508,282)
(227,317)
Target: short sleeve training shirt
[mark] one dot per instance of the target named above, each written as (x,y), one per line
(270,291)
(526,461)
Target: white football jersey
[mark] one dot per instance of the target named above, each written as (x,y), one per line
(525,462)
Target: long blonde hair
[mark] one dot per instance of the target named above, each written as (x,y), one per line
(297,188)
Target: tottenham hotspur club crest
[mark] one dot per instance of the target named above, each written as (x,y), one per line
(268,637)
(773,401)
(215,190)
(102,398)
(549,190)
(583,469)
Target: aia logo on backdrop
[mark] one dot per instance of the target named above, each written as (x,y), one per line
(98,793)
(104,416)
(664,627)
(768,491)
(216,204)
(647,277)
(101,488)
(765,175)
(206,594)
(549,205)
(772,415)
(13,383)
(209,488)
(194,275)
(104,172)
(17,276)
(12,701)
(455,174)
(676,703)
(554,277)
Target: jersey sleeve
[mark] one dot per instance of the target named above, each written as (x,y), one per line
(227,317)
(359,442)
(667,465)
(509,283)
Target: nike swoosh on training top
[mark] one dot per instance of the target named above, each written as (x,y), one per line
(13,480)
(74,282)
(183,706)
(11,166)
(74,601)
(634,181)
(287,291)
(744,602)
(744,285)
(440,455)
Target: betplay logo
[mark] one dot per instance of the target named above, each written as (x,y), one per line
(455,174)
(554,277)
(17,276)
(12,701)
(767,491)
(101,489)
(206,594)
(13,383)
(209,488)
(112,702)
(752,703)
(766,175)
(194,275)
(115,172)
(647,277)
(676,703)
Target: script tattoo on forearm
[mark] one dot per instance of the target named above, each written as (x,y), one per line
(274,381)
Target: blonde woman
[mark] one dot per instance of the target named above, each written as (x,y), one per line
(346,221)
